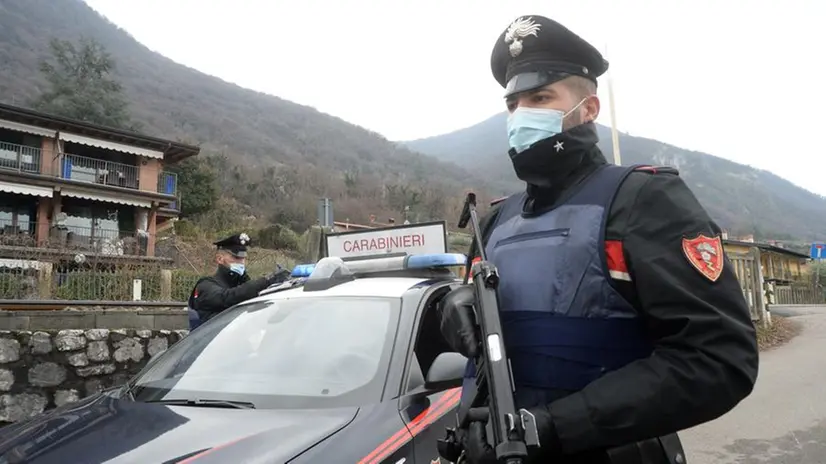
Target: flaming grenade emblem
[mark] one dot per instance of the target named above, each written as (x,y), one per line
(517,31)
(707,253)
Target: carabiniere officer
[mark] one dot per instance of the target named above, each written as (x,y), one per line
(230,284)
(622,316)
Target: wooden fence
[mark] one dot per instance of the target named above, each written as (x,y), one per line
(749,273)
(803,294)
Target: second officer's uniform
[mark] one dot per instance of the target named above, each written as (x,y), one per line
(623,319)
(229,285)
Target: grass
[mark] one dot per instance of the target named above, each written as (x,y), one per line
(780,332)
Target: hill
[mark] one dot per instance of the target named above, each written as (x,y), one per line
(742,199)
(275,158)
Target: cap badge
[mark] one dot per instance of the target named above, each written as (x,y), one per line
(244,238)
(517,31)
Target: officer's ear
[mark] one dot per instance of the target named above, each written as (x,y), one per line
(590,109)
(584,93)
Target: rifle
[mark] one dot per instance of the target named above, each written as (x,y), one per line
(509,432)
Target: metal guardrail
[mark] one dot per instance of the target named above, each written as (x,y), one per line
(98,171)
(19,157)
(56,305)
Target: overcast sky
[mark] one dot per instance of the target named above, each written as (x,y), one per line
(740,79)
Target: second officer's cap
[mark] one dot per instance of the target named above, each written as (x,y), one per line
(535,51)
(235,244)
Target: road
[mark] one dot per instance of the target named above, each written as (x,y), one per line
(783,421)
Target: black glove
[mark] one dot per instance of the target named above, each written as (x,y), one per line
(478,451)
(458,320)
(280,275)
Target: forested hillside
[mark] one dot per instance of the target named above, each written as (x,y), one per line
(274,157)
(742,199)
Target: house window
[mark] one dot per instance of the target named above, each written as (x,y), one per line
(90,219)
(17,214)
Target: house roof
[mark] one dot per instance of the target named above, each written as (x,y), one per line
(173,151)
(768,247)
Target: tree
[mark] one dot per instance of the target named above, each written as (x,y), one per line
(198,185)
(81,85)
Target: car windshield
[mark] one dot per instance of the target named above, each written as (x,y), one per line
(306,352)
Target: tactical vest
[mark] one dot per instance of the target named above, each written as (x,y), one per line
(563,323)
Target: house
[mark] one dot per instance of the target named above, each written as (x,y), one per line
(69,187)
(779,265)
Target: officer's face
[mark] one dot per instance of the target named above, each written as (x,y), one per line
(558,96)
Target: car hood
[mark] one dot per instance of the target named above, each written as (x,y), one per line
(105,429)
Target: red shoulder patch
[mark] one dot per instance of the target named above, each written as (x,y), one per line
(650,169)
(705,254)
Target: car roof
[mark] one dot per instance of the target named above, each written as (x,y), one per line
(387,287)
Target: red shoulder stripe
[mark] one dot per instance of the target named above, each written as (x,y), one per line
(615,259)
(650,169)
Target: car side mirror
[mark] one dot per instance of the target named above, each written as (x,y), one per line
(447,371)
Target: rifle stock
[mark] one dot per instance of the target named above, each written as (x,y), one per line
(509,432)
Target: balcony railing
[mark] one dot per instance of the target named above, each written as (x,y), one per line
(17,233)
(168,184)
(19,157)
(99,240)
(75,239)
(97,171)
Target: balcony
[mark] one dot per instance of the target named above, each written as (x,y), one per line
(19,158)
(96,171)
(98,240)
(168,185)
(74,240)
(26,159)
(17,233)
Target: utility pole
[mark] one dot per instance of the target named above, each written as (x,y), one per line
(614,133)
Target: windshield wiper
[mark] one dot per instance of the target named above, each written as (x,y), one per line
(205,403)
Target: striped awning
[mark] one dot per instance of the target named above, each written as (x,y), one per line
(107,145)
(104,197)
(22,189)
(18,127)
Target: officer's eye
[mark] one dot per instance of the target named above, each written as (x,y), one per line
(541,98)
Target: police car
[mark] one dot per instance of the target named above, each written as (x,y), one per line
(344,363)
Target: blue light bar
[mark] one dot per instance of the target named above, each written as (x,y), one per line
(435,260)
(302,270)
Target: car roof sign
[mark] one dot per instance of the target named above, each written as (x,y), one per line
(420,238)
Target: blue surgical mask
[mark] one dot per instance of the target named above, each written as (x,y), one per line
(526,126)
(237,268)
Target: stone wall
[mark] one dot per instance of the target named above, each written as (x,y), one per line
(96,317)
(41,369)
